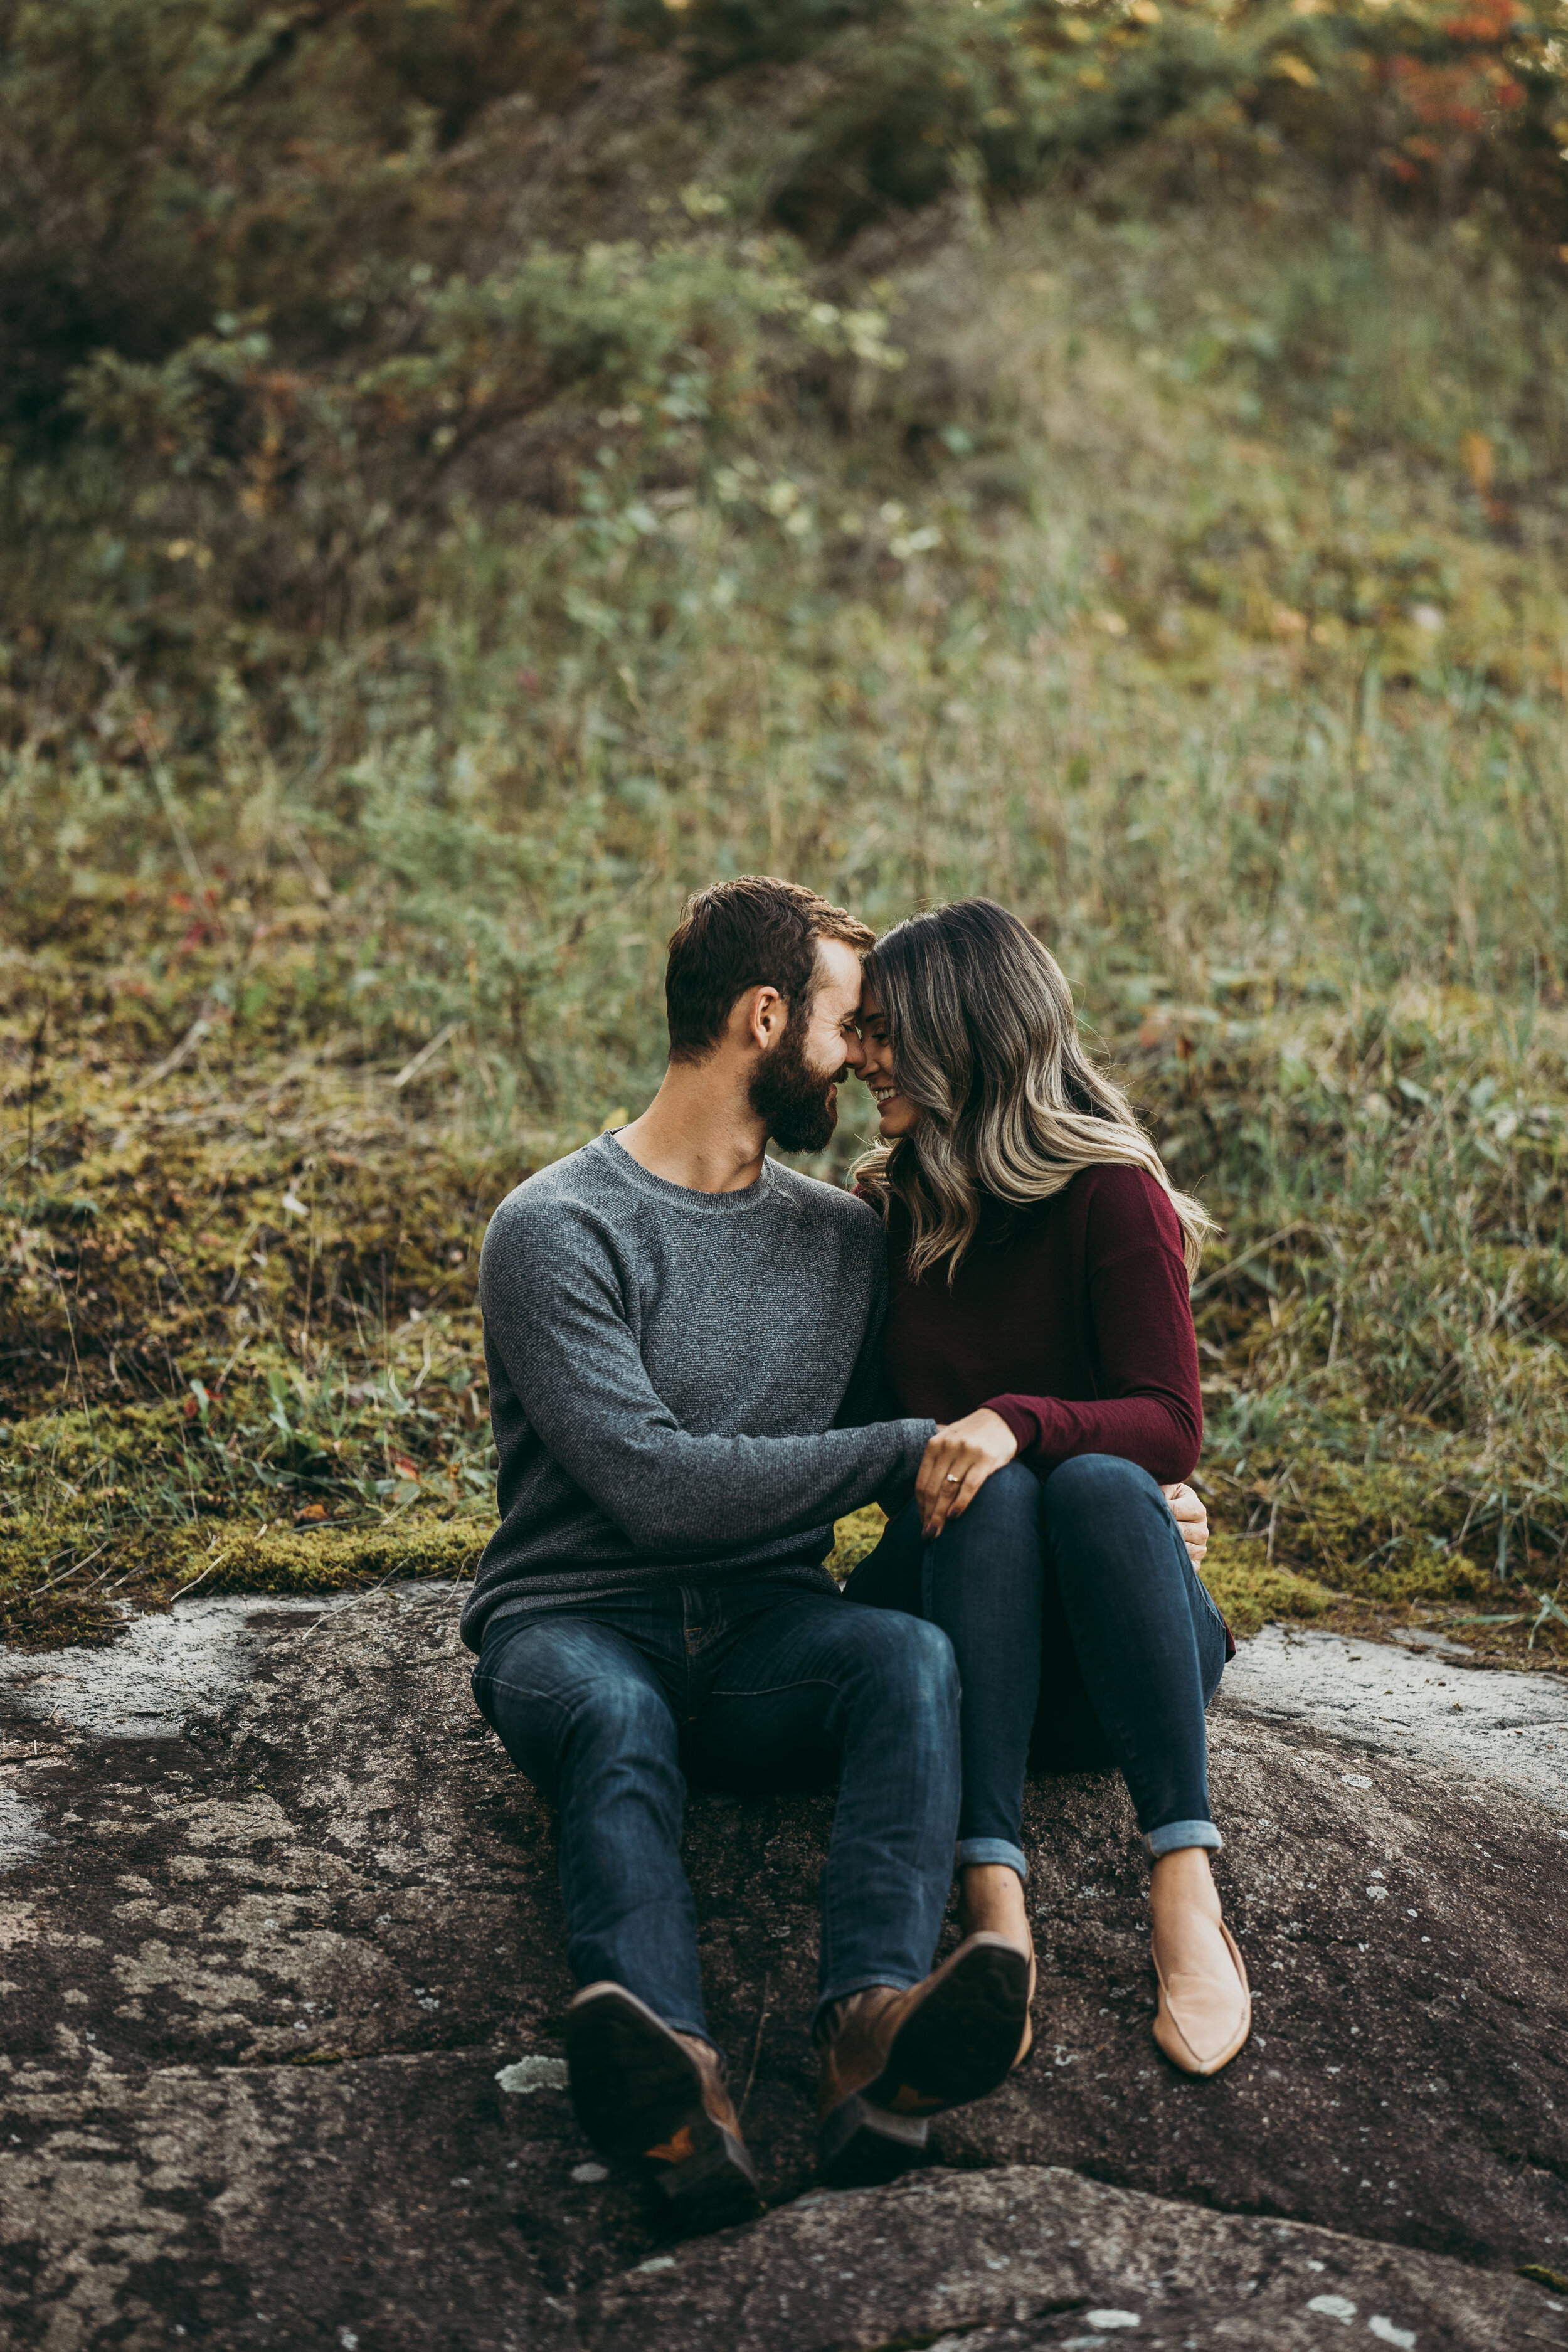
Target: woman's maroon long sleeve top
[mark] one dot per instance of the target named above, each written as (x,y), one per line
(1070,1319)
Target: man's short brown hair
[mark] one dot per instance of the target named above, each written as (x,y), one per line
(753,932)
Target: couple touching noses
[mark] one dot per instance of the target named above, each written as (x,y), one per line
(699,1360)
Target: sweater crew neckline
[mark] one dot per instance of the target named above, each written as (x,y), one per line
(738,1203)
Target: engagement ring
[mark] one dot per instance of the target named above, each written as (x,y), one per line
(953,1479)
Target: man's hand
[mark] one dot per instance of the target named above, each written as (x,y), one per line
(1192,1521)
(956,1463)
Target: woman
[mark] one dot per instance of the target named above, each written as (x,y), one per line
(1040,1264)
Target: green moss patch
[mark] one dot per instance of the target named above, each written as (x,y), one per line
(1250,1590)
(853,1539)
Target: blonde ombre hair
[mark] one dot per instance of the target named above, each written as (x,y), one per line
(984,1042)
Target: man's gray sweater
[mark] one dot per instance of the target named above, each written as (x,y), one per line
(682,1384)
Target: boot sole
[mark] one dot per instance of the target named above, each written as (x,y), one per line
(860,2146)
(962,2041)
(715,2186)
(635,2088)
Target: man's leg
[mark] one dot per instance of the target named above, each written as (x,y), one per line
(582,1710)
(881,1689)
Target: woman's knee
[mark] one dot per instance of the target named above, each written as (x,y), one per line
(1010,1498)
(889,1576)
(1096,1487)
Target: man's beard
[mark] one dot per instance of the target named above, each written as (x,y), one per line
(795,1099)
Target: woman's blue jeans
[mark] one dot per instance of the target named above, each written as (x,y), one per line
(1083,1636)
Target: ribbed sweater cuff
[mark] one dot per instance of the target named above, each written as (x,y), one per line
(1023,1423)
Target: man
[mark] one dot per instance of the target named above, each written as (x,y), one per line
(681,1337)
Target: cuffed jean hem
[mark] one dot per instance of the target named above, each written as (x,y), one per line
(997,1850)
(894,1977)
(1171,1836)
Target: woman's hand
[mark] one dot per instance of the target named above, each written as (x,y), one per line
(962,1455)
(956,1463)
(1192,1520)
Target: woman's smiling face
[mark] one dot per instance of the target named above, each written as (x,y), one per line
(897,1113)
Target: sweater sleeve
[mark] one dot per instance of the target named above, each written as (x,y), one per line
(866,1399)
(1149,1409)
(554,1314)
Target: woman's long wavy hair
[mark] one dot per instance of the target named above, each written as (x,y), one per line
(984,1042)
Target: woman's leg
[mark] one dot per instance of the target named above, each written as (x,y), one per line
(1147,1639)
(982,1583)
(1149,1649)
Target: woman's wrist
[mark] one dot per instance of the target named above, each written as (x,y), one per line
(1023,1424)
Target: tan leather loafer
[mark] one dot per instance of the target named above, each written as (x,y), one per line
(640,2089)
(1203,2019)
(1026,2046)
(891,2059)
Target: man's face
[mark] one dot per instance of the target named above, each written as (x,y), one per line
(795,1086)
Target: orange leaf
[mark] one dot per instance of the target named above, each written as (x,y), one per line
(1476,452)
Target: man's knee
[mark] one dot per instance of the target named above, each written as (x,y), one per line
(621,1717)
(560,1692)
(908,1664)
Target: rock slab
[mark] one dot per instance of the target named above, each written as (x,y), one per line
(281,1997)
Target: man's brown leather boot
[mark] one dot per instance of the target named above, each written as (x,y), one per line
(640,2089)
(890,2058)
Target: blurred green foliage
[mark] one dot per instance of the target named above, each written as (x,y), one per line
(471,474)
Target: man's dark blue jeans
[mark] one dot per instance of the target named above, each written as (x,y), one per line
(1083,1638)
(608,1706)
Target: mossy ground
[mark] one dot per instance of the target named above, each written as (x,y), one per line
(242,1349)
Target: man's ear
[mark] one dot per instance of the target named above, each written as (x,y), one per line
(759,1019)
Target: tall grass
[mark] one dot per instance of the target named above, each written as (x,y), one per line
(1189,579)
